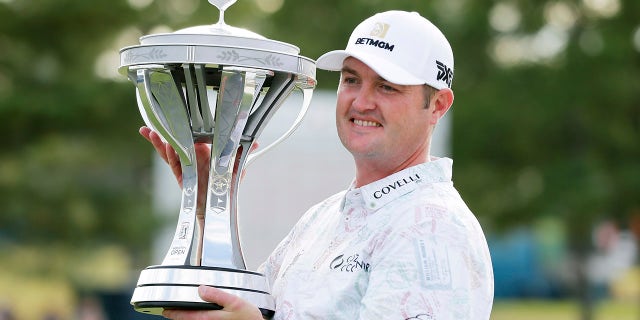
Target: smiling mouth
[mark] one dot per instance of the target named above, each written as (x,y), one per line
(363,123)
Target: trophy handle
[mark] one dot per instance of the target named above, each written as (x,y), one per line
(161,103)
(307,94)
(178,138)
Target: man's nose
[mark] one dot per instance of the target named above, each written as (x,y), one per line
(364,99)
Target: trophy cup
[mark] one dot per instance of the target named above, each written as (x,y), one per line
(214,84)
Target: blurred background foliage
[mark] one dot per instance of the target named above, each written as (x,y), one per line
(546,118)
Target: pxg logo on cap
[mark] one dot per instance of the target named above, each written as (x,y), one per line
(444,73)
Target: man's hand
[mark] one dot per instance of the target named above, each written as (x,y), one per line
(166,152)
(233,307)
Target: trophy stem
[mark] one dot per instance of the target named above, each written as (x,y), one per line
(221,19)
(239,89)
(222,5)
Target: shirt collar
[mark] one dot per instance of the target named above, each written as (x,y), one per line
(378,193)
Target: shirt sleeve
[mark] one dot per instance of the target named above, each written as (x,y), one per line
(271,266)
(422,272)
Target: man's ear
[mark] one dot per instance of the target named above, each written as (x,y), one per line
(441,102)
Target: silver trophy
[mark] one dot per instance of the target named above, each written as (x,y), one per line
(221,85)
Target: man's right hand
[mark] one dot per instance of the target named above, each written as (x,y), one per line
(166,152)
(203,161)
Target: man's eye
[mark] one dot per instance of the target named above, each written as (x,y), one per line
(387,88)
(349,80)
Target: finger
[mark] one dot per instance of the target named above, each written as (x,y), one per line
(156,141)
(208,294)
(203,154)
(171,157)
(254,147)
(192,315)
(234,307)
(217,296)
(144,131)
(203,157)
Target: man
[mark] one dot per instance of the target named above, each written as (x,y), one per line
(400,243)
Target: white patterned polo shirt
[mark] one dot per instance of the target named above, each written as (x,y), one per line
(403,247)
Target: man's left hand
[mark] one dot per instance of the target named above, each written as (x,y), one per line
(233,307)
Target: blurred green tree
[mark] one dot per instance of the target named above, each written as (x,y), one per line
(548,117)
(72,171)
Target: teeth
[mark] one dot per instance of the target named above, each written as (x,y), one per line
(366,123)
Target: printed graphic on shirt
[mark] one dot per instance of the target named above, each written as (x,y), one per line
(354,219)
(434,265)
(351,263)
(421,316)
(427,219)
(421,306)
(400,273)
(461,304)
(285,311)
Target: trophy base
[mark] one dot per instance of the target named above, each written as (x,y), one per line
(156,307)
(176,287)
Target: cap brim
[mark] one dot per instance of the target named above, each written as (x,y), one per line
(333,60)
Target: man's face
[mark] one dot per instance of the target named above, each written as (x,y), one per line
(379,122)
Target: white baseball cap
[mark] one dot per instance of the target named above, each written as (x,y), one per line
(402,47)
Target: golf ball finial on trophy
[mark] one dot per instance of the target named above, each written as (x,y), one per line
(215,84)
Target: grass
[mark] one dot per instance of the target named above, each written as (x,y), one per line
(38,281)
(562,310)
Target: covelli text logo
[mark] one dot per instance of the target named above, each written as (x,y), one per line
(395,185)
